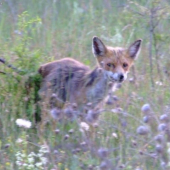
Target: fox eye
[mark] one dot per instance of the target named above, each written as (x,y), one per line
(125,65)
(110,65)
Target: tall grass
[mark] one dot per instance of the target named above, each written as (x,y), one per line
(35,32)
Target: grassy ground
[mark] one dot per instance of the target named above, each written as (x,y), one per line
(35,32)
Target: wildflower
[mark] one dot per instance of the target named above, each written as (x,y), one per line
(84,126)
(146,108)
(19,140)
(44,160)
(39,155)
(25,164)
(7,146)
(83,144)
(142,130)
(159,83)
(164,118)
(131,80)
(122,166)
(31,166)
(71,131)
(92,116)
(30,160)
(70,113)
(18,154)
(18,163)
(18,32)
(117,110)
(114,135)
(55,113)
(159,148)
(57,131)
(134,143)
(44,149)
(163,164)
(104,165)
(74,106)
(23,123)
(146,119)
(23,155)
(32,154)
(162,127)
(56,152)
(38,164)
(103,152)
(66,137)
(77,150)
(89,105)
(95,125)
(159,138)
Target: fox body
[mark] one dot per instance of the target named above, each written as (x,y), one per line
(68,80)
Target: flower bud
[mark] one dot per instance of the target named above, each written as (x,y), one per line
(159,148)
(104,166)
(159,138)
(146,119)
(57,131)
(142,130)
(71,131)
(66,137)
(103,152)
(146,108)
(164,118)
(55,113)
(92,116)
(7,146)
(162,127)
(69,112)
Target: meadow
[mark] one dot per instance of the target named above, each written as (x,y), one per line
(133,131)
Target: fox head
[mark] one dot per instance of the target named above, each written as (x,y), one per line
(117,61)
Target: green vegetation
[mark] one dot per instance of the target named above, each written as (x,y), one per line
(125,137)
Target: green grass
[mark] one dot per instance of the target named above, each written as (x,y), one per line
(35,32)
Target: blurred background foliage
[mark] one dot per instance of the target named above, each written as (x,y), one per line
(37,31)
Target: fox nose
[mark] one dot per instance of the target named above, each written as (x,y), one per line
(118,77)
(121,77)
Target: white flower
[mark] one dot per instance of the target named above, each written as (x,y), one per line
(23,123)
(159,83)
(30,160)
(84,126)
(44,149)
(44,160)
(19,140)
(32,154)
(18,163)
(25,164)
(23,155)
(39,155)
(114,135)
(31,166)
(38,164)
(19,159)
(18,154)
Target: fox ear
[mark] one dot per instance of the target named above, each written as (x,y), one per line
(134,49)
(98,47)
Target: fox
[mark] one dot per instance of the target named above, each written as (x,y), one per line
(70,81)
